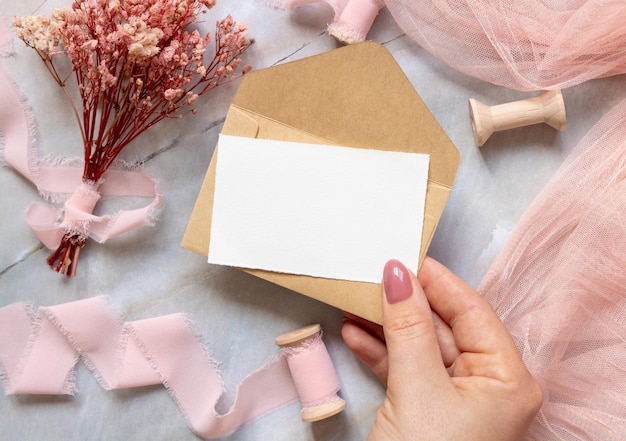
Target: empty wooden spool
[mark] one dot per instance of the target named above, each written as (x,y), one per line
(547,108)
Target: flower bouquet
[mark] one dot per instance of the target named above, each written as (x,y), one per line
(135,62)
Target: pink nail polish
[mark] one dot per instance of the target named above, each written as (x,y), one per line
(397,282)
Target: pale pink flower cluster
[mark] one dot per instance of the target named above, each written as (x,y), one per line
(135,63)
(39,33)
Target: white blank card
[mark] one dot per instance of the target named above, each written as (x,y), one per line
(316,210)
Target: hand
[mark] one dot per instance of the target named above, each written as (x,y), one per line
(450,366)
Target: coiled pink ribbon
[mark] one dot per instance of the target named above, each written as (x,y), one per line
(352,18)
(40,351)
(56,182)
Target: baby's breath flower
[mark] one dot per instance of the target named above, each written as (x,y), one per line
(192,98)
(172,94)
(145,42)
(135,64)
(35,31)
(90,44)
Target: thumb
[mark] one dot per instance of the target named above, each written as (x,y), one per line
(413,350)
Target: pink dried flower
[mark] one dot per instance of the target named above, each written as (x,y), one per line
(135,64)
(172,94)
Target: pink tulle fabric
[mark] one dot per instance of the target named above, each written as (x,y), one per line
(559,285)
(524,45)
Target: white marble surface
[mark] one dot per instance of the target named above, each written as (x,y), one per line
(147,273)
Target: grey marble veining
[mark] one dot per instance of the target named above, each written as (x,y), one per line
(146,273)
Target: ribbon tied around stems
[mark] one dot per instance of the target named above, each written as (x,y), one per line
(352,18)
(56,179)
(39,353)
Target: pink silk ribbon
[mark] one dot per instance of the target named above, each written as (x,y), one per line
(39,352)
(56,182)
(352,18)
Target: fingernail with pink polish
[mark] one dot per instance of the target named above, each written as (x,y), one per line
(397,282)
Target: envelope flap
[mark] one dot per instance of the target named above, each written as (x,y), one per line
(238,123)
(356,95)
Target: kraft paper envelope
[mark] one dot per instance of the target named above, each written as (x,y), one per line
(353,96)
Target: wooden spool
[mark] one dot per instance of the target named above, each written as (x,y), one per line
(547,108)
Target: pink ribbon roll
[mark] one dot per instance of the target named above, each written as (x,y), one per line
(314,375)
(352,18)
(39,353)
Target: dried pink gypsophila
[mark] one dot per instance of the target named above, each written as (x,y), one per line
(135,64)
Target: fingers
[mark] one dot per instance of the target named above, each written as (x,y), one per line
(475,325)
(438,301)
(447,344)
(360,344)
(373,328)
(367,347)
(413,349)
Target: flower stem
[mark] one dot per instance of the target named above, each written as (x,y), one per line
(64,259)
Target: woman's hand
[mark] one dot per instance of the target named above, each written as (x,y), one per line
(450,366)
